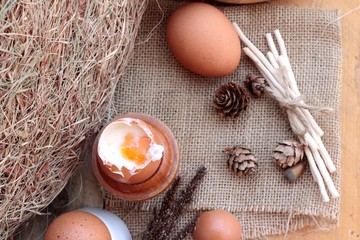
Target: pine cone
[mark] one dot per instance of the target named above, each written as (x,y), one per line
(230,99)
(288,153)
(256,85)
(241,160)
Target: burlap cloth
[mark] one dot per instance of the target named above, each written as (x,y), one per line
(266,203)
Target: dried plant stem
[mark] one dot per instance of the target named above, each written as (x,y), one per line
(189,228)
(157,224)
(172,207)
(316,174)
(277,71)
(314,129)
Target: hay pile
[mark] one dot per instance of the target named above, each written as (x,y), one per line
(60,61)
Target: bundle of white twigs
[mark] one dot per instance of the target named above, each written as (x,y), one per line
(281,85)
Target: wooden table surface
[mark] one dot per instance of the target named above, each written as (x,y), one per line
(349,227)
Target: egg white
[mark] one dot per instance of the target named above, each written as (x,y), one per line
(114,135)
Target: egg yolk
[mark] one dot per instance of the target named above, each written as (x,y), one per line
(134,148)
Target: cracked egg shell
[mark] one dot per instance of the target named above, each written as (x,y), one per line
(155,184)
(129,151)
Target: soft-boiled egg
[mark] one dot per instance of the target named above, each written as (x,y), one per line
(130,150)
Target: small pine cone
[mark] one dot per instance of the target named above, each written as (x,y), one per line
(256,85)
(241,160)
(288,153)
(230,99)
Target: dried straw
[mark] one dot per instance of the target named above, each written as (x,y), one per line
(60,61)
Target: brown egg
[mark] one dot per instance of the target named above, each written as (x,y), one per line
(217,225)
(77,225)
(203,40)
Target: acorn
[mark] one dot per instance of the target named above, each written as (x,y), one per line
(295,172)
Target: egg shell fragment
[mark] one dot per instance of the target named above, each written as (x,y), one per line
(203,40)
(114,163)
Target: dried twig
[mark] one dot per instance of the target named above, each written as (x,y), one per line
(172,207)
(168,205)
(189,228)
(282,86)
(187,194)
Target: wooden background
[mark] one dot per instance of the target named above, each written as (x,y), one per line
(349,227)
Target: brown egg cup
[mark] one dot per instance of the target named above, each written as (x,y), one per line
(152,186)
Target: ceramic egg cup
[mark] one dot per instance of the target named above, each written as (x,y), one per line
(152,186)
